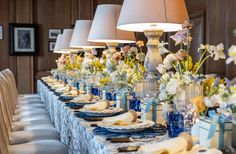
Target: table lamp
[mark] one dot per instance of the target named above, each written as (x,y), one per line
(153,17)
(57,48)
(104,27)
(80,34)
(65,40)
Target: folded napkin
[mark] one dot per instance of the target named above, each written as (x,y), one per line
(121,120)
(177,145)
(74,92)
(64,89)
(84,97)
(172,146)
(99,106)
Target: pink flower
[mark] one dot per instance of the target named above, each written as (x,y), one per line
(125,49)
(181,37)
(94,52)
(117,56)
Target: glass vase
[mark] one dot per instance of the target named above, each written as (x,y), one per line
(184,105)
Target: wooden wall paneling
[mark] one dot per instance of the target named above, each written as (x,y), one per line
(74,11)
(109,2)
(57,15)
(198,32)
(25,68)
(85,9)
(216,32)
(231,25)
(4,13)
(11,19)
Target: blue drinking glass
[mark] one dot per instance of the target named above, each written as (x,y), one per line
(175,124)
(110,96)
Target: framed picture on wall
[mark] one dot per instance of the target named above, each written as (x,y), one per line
(51,46)
(53,33)
(1,32)
(23,39)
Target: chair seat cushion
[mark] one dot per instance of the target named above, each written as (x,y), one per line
(34,111)
(29,118)
(27,136)
(28,96)
(30,107)
(32,125)
(39,147)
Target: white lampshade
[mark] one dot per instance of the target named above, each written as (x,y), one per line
(80,34)
(66,37)
(104,26)
(57,48)
(141,15)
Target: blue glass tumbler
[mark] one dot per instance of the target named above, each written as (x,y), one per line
(175,124)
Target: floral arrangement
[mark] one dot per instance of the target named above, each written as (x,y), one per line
(124,66)
(69,62)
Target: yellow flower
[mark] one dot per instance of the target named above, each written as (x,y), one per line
(105,81)
(140,43)
(199,104)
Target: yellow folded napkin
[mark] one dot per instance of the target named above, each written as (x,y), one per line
(121,120)
(178,145)
(172,146)
(84,97)
(64,89)
(99,106)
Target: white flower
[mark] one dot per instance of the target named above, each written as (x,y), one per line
(161,68)
(208,48)
(219,52)
(163,95)
(232,99)
(208,102)
(213,101)
(102,61)
(114,76)
(232,55)
(216,99)
(165,77)
(162,48)
(169,60)
(172,86)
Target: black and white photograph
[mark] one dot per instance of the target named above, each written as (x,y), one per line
(51,46)
(53,33)
(1,32)
(23,39)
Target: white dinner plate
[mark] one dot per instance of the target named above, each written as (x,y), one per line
(138,126)
(107,112)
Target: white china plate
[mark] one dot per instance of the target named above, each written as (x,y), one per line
(107,112)
(135,127)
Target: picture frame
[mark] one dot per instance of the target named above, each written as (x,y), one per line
(1,32)
(53,33)
(51,46)
(23,39)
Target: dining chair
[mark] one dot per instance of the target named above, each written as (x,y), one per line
(27,143)
(10,104)
(21,121)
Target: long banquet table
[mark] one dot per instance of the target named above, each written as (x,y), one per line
(76,133)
